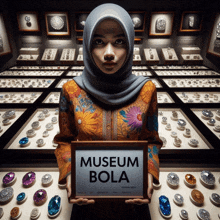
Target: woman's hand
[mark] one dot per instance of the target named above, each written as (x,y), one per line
(79,201)
(149,193)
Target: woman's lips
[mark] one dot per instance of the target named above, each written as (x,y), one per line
(109,64)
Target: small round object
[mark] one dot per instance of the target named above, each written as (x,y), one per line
(6,121)
(183,214)
(215,199)
(79,121)
(46,180)
(57,22)
(1,212)
(178,199)
(21,198)
(49,126)
(24,142)
(9,179)
(203,214)
(40,142)
(35,125)
(207,178)
(168,127)
(193,142)
(181,124)
(197,197)
(217,128)
(45,134)
(173,134)
(174,116)
(29,179)
(190,180)
(40,197)
(172,180)
(35,213)
(56,111)
(10,114)
(211,122)
(31,133)
(6,195)
(164,120)
(187,133)
(41,116)
(177,142)
(54,120)
(15,213)
(207,114)
(46,112)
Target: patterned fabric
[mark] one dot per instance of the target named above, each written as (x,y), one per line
(81,119)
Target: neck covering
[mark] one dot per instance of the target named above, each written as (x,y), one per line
(110,89)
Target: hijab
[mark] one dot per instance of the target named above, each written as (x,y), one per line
(110,89)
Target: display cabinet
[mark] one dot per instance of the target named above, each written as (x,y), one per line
(190,142)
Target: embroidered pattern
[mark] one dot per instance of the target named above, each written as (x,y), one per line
(81,119)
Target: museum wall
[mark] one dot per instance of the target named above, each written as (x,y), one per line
(40,39)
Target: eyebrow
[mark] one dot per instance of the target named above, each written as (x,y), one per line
(102,36)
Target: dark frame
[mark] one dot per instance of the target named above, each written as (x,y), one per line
(143,13)
(184,26)
(106,145)
(65,31)
(28,12)
(151,33)
(6,33)
(77,14)
(211,40)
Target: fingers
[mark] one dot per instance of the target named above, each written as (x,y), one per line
(82,201)
(150,186)
(137,201)
(68,185)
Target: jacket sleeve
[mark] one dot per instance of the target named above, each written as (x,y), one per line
(150,133)
(66,135)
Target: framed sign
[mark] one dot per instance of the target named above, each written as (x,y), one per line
(57,23)
(80,21)
(5,47)
(161,23)
(191,21)
(109,169)
(28,21)
(214,41)
(138,18)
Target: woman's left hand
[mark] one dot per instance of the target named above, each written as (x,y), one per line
(149,193)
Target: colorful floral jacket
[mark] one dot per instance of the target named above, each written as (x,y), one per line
(82,119)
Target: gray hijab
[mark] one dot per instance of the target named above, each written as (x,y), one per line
(110,89)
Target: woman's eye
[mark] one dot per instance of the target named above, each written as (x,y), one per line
(120,41)
(97,41)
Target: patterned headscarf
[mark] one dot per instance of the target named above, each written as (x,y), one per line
(122,86)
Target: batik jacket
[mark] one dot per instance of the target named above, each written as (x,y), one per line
(82,119)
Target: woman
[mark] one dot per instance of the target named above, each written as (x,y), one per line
(108,102)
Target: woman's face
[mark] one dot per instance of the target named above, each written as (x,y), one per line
(109,47)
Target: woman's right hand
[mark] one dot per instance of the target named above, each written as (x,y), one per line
(79,201)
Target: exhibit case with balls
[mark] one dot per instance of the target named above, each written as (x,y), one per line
(175,47)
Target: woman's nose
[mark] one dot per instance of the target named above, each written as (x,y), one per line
(109,52)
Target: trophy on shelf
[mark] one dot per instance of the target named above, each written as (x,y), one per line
(160,25)
(191,21)
(57,23)
(28,21)
(137,20)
